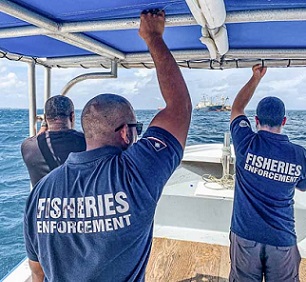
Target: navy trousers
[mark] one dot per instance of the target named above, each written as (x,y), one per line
(252,261)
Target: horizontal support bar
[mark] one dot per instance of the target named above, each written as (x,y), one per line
(133,23)
(186,55)
(192,59)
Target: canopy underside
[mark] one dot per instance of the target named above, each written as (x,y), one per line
(201,34)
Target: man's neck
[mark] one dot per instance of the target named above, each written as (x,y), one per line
(58,127)
(95,144)
(275,129)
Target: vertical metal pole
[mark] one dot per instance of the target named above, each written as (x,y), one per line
(47,92)
(32,98)
(114,68)
(226,154)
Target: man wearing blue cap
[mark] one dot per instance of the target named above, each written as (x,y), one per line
(268,169)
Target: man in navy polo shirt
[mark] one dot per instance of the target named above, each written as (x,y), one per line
(268,169)
(92,218)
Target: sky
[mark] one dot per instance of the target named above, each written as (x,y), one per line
(140,86)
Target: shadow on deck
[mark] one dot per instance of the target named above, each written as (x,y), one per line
(185,261)
(204,277)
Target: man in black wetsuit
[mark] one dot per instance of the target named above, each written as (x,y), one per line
(54,141)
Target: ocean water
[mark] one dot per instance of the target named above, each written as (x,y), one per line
(14,179)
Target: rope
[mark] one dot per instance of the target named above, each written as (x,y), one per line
(226,150)
(227,181)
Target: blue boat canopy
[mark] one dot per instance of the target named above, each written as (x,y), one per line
(200,33)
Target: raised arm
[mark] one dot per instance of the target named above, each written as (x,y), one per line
(175,117)
(43,127)
(247,91)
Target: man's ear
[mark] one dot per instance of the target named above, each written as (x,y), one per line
(124,134)
(257,121)
(284,121)
(72,117)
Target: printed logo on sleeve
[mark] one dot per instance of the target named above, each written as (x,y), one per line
(157,144)
(244,123)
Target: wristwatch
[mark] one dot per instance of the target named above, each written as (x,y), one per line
(44,124)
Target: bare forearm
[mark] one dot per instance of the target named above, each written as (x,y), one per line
(243,97)
(246,93)
(42,130)
(37,278)
(37,271)
(172,84)
(175,117)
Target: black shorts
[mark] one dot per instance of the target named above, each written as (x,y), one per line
(251,261)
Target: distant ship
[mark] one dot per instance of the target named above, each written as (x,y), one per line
(213,104)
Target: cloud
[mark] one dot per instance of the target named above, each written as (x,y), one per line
(143,73)
(12,86)
(3,69)
(8,80)
(140,86)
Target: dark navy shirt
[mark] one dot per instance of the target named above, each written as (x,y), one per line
(92,218)
(268,168)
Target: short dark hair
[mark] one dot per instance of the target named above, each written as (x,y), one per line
(270,111)
(58,107)
(103,114)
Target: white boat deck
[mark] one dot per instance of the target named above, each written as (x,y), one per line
(191,211)
(211,153)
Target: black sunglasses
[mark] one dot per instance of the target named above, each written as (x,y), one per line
(138,126)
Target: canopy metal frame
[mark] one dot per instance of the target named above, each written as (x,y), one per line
(33,118)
